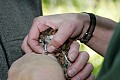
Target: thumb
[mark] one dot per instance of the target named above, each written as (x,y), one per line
(60,37)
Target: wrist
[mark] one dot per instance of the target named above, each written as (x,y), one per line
(86,23)
(89,33)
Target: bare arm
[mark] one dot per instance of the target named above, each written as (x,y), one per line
(70,25)
(102,34)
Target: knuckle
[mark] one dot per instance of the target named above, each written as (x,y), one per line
(22,46)
(35,19)
(57,42)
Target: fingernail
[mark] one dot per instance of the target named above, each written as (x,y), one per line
(71,72)
(50,48)
(72,57)
(77,78)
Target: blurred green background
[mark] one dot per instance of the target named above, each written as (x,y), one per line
(105,8)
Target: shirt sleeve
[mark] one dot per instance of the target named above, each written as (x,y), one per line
(111,66)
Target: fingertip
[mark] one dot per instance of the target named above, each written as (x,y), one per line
(71,72)
(55,43)
(38,49)
(60,37)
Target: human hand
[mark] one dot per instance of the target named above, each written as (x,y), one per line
(36,67)
(68,26)
(80,69)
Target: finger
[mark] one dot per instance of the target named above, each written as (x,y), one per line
(74,51)
(91,77)
(37,27)
(84,74)
(60,37)
(79,64)
(25,46)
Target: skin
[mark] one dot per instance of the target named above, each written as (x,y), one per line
(70,25)
(81,60)
(99,42)
(36,67)
(42,67)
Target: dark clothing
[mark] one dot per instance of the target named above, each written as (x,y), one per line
(111,66)
(16,18)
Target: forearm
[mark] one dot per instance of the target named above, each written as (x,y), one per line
(102,34)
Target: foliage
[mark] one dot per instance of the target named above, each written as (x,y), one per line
(105,8)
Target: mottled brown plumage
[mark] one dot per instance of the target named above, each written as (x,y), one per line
(60,53)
